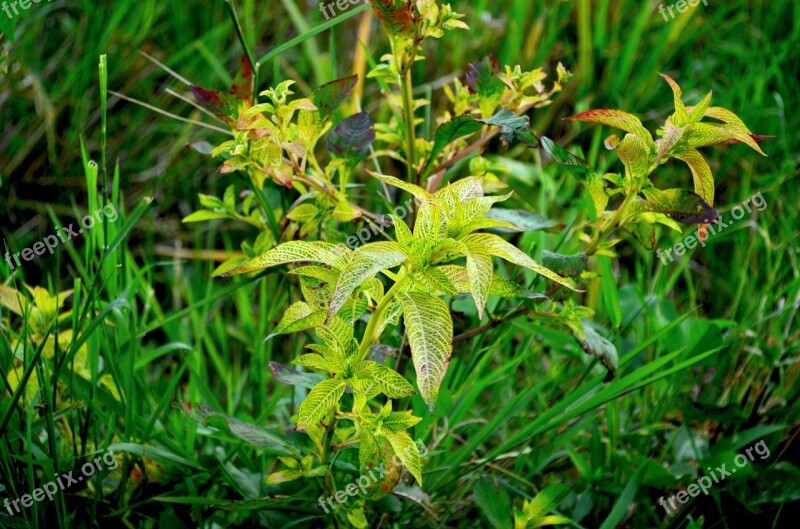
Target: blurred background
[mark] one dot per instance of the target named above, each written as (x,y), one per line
(188,337)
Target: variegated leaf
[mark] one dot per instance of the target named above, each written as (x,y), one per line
(499,247)
(430,334)
(294,252)
(617,119)
(407,452)
(319,402)
(366,263)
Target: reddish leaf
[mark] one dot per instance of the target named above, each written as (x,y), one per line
(396,16)
(330,96)
(617,119)
(243,83)
(224,106)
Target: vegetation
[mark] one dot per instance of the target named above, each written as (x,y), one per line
(451,312)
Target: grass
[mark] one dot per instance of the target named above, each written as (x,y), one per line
(708,344)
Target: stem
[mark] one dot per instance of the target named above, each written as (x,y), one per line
(610,225)
(366,341)
(408,116)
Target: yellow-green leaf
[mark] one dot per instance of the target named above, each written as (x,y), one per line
(319,402)
(430,334)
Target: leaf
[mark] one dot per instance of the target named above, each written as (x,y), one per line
(283,476)
(701,172)
(298,317)
(706,134)
(12,300)
(407,452)
(319,402)
(499,247)
(396,16)
(430,334)
(400,421)
(513,127)
(451,131)
(249,433)
(224,106)
(680,118)
(698,112)
(633,153)
(352,138)
(480,270)
(522,219)
(392,383)
(599,347)
(416,191)
(684,206)
(293,377)
(242,86)
(544,502)
(494,503)
(204,215)
(566,265)
(483,81)
(672,135)
(617,119)
(366,263)
(294,252)
(330,96)
(580,169)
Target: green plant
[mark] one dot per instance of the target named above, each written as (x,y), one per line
(444,253)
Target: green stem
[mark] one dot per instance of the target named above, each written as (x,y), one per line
(408,116)
(610,225)
(366,341)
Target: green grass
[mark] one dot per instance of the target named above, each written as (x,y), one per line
(708,344)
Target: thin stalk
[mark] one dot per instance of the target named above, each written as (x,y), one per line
(408,117)
(610,225)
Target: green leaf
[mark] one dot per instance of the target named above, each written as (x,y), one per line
(249,433)
(480,270)
(400,421)
(451,131)
(367,261)
(330,96)
(284,476)
(494,503)
(617,119)
(512,127)
(293,377)
(407,452)
(522,219)
(599,347)
(8,28)
(224,106)
(672,135)
(416,191)
(684,206)
(701,172)
(545,502)
(580,169)
(319,402)
(352,138)
(298,317)
(392,383)
(707,134)
(430,334)
(680,118)
(499,247)
(566,265)
(295,252)
(483,81)
(698,112)
(331,363)
(633,153)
